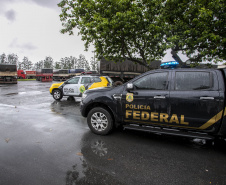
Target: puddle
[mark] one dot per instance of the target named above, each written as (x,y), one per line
(5,105)
(27,93)
(10,94)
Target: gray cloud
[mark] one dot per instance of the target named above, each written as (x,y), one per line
(10,15)
(3,3)
(26,46)
(44,3)
(47,3)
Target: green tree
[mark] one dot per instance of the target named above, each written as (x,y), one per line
(70,61)
(119,29)
(57,65)
(39,65)
(93,64)
(142,30)
(87,66)
(75,62)
(81,63)
(48,62)
(3,59)
(63,63)
(12,58)
(196,27)
(19,65)
(26,64)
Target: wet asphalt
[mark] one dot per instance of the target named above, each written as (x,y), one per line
(47,142)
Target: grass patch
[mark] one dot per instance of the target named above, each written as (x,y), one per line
(26,79)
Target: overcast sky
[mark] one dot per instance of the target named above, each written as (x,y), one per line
(31,28)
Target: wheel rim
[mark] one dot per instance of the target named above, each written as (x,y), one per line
(99,148)
(56,94)
(99,121)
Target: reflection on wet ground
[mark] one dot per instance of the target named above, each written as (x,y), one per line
(65,107)
(130,157)
(24,93)
(11,94)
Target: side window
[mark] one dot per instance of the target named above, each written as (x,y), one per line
(194,80)
(96,79)
(85,80)
(73,81)
(154,81)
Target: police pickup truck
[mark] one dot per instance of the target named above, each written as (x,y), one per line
(182,102)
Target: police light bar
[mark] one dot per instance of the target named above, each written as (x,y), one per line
(169,63)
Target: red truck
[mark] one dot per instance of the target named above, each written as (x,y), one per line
(21,74)
(44,75)
(31,74)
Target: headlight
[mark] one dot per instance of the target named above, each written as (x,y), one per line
(84,95)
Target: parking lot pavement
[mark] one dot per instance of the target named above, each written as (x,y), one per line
(44,141)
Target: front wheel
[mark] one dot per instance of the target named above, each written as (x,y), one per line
(57,94)
(100,121)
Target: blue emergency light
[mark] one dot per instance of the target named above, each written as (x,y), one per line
(170,64)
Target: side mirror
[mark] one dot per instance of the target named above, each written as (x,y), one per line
(129,86)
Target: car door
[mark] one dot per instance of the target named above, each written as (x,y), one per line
(71,87)
(148,102)
(83,83)
(195,100)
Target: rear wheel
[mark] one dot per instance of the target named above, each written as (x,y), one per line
(70,98)
(118,83)
(100,121)
(57,94)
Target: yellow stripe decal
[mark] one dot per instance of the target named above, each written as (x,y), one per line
(213,120)
(225,111)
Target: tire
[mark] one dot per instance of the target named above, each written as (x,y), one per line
(70,98)
(118,83)
(100,121)
(57,94)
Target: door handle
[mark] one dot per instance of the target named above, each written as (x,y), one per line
(206,98)
(159,97)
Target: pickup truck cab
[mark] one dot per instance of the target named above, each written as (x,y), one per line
(182,102)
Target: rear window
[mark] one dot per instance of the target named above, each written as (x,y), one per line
(195,80)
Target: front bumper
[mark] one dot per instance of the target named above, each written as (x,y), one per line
(82,110)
